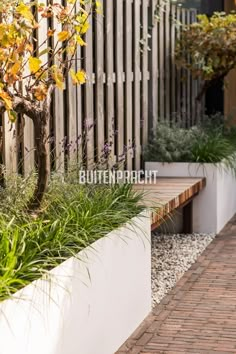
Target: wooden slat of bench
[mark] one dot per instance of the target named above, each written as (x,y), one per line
(167,194)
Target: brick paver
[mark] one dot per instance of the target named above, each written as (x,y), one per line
(199,314)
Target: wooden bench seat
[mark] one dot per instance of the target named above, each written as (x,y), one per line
(167,194)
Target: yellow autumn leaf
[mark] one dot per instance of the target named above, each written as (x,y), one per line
(28,47)
(81,77)
(6,100)
(73,77)
(58,77)
(40,92)
(34,64)
(98,7)
(83,25)
(15,68)
(83,28)
(63,36)
(80,41)
(70,49)
(42,74)
(50,32)
(25,11)
(3,55)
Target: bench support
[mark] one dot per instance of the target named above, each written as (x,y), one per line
(188,218)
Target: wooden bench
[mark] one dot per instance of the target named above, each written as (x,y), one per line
(167,194)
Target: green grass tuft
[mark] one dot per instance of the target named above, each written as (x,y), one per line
(73,217)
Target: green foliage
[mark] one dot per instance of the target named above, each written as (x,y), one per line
(212,141)
(211,148)
(73,216)
(171,144)
(208,47)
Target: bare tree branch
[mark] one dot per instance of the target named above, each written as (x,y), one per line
(23,106)
(48,99)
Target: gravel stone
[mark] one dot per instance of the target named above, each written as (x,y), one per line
(172,256)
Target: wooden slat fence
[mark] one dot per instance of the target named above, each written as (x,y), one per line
(132,83)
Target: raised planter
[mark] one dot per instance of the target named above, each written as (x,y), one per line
(216,203)
(90,304)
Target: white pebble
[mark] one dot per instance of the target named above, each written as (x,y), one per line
(172,256)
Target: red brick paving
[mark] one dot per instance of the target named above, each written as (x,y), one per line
(199,314)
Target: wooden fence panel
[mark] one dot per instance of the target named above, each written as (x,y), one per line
(178,70)
(99,74)
(188,86)
(167,61)
(137,80)
(27,137)
(58,118)
(9,145)
(145,73)
(184,81)
(79,109)
(161,61)
(153,87)
(28,146)
(109,72)
(194,83)
(173,73)
(89,122)
(132,83)
(119,71)
(71,124)
(41,35)
(128,82)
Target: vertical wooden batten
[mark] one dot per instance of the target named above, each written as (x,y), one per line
(230,81)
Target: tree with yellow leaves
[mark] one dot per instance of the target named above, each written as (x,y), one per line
(208,48)
(27,81)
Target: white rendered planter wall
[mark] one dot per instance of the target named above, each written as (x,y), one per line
(90,305)
(216,203)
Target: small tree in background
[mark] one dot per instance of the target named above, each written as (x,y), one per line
(208,48)
(27,79)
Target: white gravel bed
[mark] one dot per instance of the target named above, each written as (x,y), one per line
(172,256)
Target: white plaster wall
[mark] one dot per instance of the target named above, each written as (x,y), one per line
(216,203)
(226,197)
(90,304)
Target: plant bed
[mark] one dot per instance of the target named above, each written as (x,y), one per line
(199,152)
(91,302)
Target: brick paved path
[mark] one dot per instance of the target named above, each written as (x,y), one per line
(199,314)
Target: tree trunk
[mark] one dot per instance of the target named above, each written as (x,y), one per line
(40,129)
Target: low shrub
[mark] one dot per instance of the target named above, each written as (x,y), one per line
(212,141)
(171,144)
